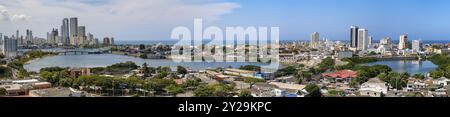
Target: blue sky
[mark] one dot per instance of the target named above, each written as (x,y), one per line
(424,19)
(297,19)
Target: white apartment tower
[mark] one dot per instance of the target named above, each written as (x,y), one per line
(314,40)
(363,39)
(417,45)
(403,43)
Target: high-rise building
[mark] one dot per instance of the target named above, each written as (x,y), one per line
(90,39)
(106,41)
(29,37)
(52,37)
(73,26)
(73,31)
(403,43)
(96,41)
(354,36)
(65,38)
(370,41)
(112,41)
(386,41)
(9,48)
(314,40)
(17,34)
(82,39)
(417,45)
(81,31)
(363,39)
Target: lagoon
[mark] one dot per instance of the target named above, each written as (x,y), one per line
(410,66)
(103,60)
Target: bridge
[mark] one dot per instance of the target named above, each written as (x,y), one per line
(78,51)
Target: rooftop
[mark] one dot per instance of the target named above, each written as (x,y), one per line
(240,71)
(342,74)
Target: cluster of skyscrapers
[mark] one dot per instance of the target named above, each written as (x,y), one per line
(359,38)
(361,41)
(8,46)
(71,34)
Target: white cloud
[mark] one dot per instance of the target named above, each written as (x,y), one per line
(123,19)
(6,16)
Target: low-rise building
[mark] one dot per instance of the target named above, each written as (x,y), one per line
(14,89)
(344,76)
(239,72)
(77,72)
(441,81)
(41,85)
(374,88)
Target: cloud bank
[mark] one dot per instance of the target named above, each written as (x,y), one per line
(123,19)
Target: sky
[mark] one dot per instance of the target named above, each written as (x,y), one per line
(297,19)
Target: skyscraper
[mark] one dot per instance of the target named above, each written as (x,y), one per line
(9,47)
(29,37)
(73,31)
(314,40)
(81,31)
(52,37)
(17,34)
(106,41)
(73,26)
(81,35)
(417,45)
(363,39)
(369,43)
(386,41)
(403,43)
(65,38)
(354,36)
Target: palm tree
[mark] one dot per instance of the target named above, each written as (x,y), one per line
(303,76)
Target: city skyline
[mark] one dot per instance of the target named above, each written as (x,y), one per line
(296,19)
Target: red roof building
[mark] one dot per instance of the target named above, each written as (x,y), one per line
(343,75)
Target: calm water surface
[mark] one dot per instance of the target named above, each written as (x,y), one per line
(410,66)
(103,60)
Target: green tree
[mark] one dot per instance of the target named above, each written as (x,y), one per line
(253,81)
(290,70)
(66,82)
(215,90)
(174,89)
(313,90)
(141,47)
(435,74)
(181,70)
(397,81)
(245,93)
(372,53)
(5,72)
(335,93)
(3,92)
(327,63)
(143,56)
(419,76)
(191,83)
(251,68)
(145,69)
(303,76)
